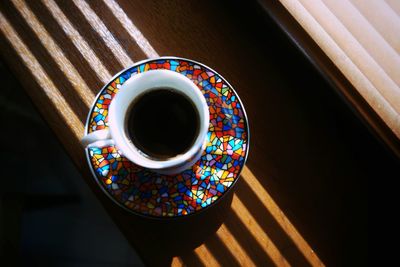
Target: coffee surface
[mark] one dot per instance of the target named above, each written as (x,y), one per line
(163,123)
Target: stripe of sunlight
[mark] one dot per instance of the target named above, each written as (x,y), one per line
(206,257)
(83,47)
(266,200)
(56,53)
(104,33)
(236,249)
(259,235)
(41,77)
(133,31)
(177,262)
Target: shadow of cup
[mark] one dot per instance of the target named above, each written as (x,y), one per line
(163,239)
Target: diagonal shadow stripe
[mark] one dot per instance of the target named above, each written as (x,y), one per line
(192,259)
(80,43)
(221,251)
(60,83)
(257,233)
(98,25)
(36,73)
(117,30)
(270,226)
(132,30)
(55,51)
(205,255)
(70,51)
(248,242)
(80,23)
(265,199)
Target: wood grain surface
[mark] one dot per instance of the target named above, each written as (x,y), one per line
(288,205)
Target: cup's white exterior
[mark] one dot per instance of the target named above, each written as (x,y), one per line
(119,109)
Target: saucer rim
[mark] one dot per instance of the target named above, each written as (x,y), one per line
(149,216)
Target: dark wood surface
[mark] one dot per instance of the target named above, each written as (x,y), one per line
(302,199)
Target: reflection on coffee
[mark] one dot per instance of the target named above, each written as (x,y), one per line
(163,123)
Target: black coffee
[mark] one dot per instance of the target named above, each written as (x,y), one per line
(163,123)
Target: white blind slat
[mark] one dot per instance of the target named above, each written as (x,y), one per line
(395,5)
(349,39)
(374,44)
(380,15)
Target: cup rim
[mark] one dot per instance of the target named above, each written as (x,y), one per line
(135,87)
(164,218)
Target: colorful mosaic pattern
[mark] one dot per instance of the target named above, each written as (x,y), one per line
(148,193)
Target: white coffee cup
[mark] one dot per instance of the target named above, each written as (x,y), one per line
(117,134)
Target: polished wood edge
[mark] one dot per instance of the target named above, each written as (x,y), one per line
(332,74)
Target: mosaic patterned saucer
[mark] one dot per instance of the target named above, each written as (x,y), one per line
(144,192)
